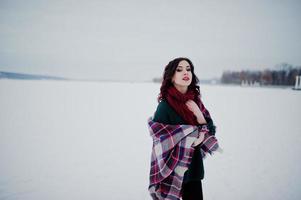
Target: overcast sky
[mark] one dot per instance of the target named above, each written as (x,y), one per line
(135,39)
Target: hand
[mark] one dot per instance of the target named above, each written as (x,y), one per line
(193,107)
(199,140)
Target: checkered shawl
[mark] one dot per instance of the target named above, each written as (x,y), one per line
(171,155)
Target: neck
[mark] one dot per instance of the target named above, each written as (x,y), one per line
(182,89)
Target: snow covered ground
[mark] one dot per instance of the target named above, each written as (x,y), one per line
(89,140)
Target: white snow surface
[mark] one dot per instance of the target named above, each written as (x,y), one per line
(89,140)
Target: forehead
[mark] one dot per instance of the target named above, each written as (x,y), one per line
(183,63)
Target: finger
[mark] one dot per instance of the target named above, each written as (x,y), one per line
(188,105)
(189,108)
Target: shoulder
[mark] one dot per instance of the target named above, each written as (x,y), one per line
(162,112)
(163,104)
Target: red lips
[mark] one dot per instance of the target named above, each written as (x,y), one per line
(186,78)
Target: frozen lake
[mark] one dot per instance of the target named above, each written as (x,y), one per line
(89,140)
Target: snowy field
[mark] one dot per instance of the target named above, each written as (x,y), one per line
(64,140)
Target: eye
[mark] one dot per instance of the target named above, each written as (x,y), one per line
(188,69)
(179,70)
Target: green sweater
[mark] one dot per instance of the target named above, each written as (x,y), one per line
(167,115)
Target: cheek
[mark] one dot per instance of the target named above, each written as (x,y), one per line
(176,76)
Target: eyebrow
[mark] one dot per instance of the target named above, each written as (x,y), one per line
(182,66)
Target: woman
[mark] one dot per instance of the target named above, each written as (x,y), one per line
(180,104)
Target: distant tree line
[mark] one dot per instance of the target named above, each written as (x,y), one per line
(283,74)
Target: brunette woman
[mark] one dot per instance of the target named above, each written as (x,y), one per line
(179,101)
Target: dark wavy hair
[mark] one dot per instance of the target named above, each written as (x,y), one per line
(170,70)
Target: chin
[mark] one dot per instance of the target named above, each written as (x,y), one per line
(186,84)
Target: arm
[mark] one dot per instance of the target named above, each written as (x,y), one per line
(200,118)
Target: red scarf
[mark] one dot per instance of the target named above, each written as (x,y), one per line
(177,101)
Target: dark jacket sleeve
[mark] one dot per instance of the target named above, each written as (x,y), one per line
(211,126)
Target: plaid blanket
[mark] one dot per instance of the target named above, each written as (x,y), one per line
(171,155)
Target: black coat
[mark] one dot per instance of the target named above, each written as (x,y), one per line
(167,115)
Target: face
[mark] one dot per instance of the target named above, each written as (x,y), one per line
(183,74)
